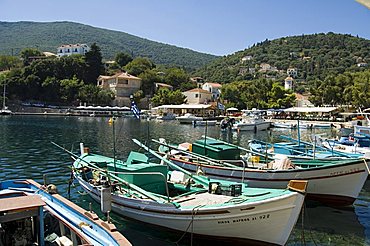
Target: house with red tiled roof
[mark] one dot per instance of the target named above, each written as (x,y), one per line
(163,85)
(198,96)
(214,88)
(302,101)
(123,85)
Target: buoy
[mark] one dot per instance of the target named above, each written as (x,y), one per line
(52,189)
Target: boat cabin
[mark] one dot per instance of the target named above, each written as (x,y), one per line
(18,216)
(216,149)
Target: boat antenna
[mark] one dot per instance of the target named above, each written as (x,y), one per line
(299,132)
(205,138)
(111,121)
(148,135)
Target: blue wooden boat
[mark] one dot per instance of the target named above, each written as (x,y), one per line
(297,150)
(30,214)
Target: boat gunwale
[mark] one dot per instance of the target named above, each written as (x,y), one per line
(249,169)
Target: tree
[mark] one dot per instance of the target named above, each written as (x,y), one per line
(93,94)
(70,89)
(8,62)
(27,53)
(148,79)
(51,89)
(139,65)
(166,96)
(122,59)
(176,77)
(95,67)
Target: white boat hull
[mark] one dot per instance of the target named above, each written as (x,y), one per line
(5,112)
(188,120)
(265,221)
(337,184)
(260,126)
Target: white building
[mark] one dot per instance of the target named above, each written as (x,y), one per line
(362,64)
(214,88)
(246,58)
(292,72)
(72,49)
(288,85)
(198,96)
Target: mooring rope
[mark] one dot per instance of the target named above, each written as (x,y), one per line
(191,223)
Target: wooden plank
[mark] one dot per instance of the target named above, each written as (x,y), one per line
(22,202)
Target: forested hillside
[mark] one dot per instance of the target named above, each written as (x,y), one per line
(314,56)
(16,36)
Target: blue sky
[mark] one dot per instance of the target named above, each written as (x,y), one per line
(217,27)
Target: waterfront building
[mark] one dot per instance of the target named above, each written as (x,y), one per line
(214,88)
(72,49)
(198,80)
(123,86)
(198,96)
(302,101)
(204,110)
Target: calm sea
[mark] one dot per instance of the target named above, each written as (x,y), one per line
(26,152)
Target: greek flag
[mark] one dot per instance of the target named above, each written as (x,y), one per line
(221,106)
(135,110)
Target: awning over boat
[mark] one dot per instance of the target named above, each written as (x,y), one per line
(310,109)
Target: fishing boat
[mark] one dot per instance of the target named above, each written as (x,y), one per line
(5,110)
(287,125)
(299,150)
(152,193)
(334,182)
(30,214)
(302,125)
(188,118)
(345,145)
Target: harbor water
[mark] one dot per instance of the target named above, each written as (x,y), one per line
(26,152)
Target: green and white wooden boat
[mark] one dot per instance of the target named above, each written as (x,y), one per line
(152,193)
(335,182)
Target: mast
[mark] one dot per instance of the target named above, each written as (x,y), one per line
(4,96)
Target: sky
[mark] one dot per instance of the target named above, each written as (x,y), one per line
(218,27)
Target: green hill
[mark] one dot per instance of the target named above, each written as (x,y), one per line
(15,36)
(314,56)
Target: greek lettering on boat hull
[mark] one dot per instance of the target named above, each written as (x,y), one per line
(352,170)
(248,219)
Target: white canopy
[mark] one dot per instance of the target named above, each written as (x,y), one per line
(232,109)
(311,109)
(183,106)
